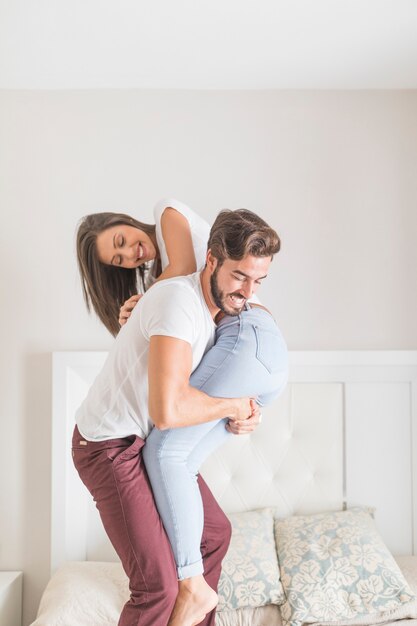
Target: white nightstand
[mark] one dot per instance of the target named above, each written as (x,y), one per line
(11,598)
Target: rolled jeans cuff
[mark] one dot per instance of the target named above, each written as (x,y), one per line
(187,571)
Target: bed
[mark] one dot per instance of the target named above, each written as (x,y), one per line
(342,436)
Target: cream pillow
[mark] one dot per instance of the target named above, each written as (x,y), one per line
(84,593)
(335,569)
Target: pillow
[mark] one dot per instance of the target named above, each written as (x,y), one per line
(81,593)
(335,569)
(250,573)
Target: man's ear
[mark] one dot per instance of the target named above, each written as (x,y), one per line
(211,261)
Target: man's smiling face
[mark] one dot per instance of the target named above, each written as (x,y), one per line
(235,282)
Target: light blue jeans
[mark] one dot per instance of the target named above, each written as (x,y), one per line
(249,358)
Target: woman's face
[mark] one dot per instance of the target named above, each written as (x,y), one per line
(125,246)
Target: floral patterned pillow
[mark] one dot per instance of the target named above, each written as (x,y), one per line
(336,570)
(250,573)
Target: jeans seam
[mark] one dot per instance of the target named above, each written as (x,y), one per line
(172,508)
(258,350)
(128,535)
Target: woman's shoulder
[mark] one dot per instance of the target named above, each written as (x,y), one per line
(166,203)
(173,203)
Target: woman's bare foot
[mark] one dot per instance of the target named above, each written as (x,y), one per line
(194,600)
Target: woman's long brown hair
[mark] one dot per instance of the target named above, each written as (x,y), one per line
(106,287)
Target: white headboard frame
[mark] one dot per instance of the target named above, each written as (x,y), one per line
(344,431)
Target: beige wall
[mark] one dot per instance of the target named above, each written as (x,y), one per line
(334,172)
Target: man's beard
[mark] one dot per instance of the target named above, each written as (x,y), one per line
(220,298)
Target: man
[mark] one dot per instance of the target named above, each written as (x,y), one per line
(145,382)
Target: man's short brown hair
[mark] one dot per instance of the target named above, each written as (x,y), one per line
(236,234)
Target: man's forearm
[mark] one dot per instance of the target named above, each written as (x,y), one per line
(173,403)
(191,407)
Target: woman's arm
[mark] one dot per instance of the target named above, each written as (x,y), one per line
(176,232)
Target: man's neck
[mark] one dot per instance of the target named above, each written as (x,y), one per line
(220,315)
(206,289)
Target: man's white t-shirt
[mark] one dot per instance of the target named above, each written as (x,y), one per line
(117,402)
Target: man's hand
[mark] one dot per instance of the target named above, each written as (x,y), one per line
(244,427)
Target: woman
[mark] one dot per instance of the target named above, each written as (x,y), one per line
(118,256)
(173,458)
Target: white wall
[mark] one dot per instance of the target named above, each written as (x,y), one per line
(334,172)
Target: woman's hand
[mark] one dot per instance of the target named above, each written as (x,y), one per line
(245,426)
(127,308)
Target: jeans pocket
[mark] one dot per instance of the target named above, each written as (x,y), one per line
(129,463)
(267,348)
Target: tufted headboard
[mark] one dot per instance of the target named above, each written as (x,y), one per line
(343,433)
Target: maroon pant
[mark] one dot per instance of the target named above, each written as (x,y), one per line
(114,473)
